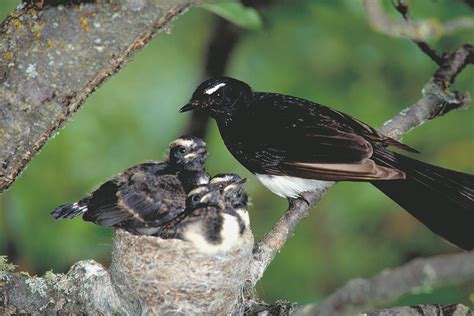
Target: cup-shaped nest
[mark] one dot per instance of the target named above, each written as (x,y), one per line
(171,277)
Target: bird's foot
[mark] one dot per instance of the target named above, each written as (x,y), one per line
(294,201)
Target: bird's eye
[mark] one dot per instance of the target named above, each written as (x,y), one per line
(195,198)
(182,150)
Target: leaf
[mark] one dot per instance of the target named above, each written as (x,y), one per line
(236,13)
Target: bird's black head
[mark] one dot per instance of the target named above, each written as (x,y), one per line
(231,186)
(204,195)
(219,97)
(188,153)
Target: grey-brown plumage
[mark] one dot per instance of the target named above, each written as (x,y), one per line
(147,195)
(209,222)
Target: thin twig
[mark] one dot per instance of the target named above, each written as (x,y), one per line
(417,275)
(436,101)
(403,8)
(420,30)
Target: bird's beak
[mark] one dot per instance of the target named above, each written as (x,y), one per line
(241,181)
(191,155)
(229,187)
(193,105)
(235,184)
(206,197)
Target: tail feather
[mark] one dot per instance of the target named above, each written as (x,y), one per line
(441,199)
(70,210)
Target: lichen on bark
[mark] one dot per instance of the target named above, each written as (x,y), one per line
(53,59)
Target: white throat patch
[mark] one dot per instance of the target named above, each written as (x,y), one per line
(213,89)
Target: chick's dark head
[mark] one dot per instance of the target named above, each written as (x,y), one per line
(231,186)
(188,153)
(204,195)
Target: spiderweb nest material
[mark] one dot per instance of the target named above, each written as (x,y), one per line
(170,277)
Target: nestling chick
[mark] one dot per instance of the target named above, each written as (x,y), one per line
(232,187)
(147,195)
(212,227)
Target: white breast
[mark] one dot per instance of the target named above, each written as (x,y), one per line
(244,215)
(203,179)
(230,236)
(286,186)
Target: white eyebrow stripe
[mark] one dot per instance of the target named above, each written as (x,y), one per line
(214,89)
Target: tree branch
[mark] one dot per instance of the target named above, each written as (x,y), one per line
(436,101)
(402,7)
(419,31)
(423,310)
(415,276)
(53,59)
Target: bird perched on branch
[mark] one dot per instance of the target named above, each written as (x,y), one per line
(209,221)
(147,195)
(293,144)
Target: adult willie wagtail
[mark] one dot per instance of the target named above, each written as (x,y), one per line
(293,144)
(145,196)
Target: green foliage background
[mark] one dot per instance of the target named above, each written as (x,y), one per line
(320,50)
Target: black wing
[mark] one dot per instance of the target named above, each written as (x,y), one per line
(304,139)
(142,196)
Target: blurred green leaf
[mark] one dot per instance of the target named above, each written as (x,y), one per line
(236,13)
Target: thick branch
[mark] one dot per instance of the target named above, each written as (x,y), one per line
(53,59)
(390,284)
(423,310)
(85,289)
(435,102)
(284,308)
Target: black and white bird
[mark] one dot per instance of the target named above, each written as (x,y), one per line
(235,196)
(145,196)
(208,222)
(292,145)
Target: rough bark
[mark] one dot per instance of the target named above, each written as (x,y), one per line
(151,275)
(390,284)
(54,58)
(423,310)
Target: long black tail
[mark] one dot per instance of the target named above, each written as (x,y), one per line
(442,199)
(70,210)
